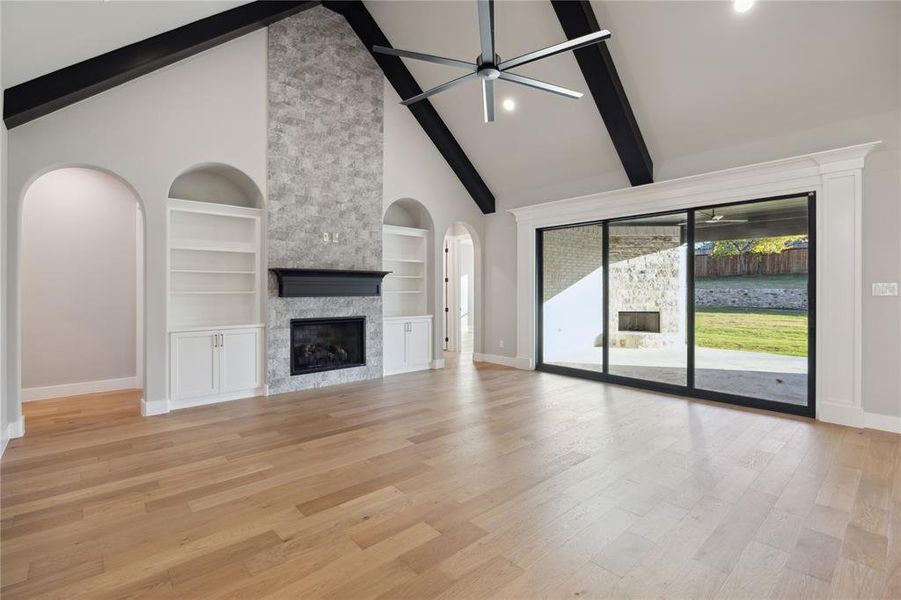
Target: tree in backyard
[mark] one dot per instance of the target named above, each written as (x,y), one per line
(742,248)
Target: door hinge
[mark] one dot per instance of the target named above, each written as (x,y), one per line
(446,340)
(445,248)
(446,309)
(446,280)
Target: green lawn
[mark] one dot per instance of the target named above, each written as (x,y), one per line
(752,330)
(747,282)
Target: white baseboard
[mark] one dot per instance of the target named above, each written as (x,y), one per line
(409,369)
(438,363)
(76,389)
(14,429)
(854,416)
(240,395)
(888,423)
(517,362)
(150,408)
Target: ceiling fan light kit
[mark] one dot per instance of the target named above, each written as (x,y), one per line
(489,67)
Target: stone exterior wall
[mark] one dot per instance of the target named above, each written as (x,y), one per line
(778,298)
(646,274)
(325,176)
(569,255)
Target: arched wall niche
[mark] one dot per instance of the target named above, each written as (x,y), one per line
(408,212)
(217,183)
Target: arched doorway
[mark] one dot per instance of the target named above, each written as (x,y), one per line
(81,293)
(461,290)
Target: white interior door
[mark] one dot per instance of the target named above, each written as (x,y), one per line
(239,359)
(194,364)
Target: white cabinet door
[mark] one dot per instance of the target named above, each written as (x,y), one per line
(394,346)
(193,364)
(419,341)
(239,359)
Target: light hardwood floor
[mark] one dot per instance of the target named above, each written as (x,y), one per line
(463,483)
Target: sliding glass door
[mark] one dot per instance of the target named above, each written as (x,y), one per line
(714,302)
(751,299)
(572,285)
(647,289)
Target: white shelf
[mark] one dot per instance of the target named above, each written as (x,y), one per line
(211,272)
(212,293)
(404,231)
(403,260)
(200,246)
(214,265)
(178,328)
(406,252)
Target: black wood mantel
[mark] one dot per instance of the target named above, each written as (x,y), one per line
(313,283)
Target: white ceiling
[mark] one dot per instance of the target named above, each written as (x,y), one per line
(700,77)
(40,37)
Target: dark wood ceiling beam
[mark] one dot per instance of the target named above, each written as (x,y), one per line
(50,92)
(577,18)
(403,82)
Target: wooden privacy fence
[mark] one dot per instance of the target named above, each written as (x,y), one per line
(787,261)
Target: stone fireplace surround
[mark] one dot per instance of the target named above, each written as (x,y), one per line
(324,177)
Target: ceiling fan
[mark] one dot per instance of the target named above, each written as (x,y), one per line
(715,219)
(489,66)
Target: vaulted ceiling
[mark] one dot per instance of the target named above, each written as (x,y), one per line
(698,75)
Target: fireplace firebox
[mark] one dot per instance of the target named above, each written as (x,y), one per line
(645,321)
(327,344)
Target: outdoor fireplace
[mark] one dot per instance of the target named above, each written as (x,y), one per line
(327,344)
(644,321)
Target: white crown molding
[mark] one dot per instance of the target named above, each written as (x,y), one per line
(698,190)
(835,176)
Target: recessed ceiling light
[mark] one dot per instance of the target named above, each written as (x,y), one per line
(742,6)
(509,105)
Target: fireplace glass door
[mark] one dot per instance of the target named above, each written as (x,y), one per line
(326,344)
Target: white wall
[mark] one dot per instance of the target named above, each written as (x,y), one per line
(881,250)
(415,169)
(79,279)
(4,411)
(208,108)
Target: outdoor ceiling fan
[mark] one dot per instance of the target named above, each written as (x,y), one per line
(489,66)
(715,219)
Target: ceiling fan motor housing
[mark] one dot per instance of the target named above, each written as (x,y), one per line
(488,70)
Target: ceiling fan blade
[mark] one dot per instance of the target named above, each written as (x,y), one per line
(440,88)
(451,62)
(574,44)
(488,99)
(540,85)
(486,29)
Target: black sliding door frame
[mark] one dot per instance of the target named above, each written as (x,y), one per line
(689,390)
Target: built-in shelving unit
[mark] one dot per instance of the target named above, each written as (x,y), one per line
(407,325)
(214,265)
(405,253)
